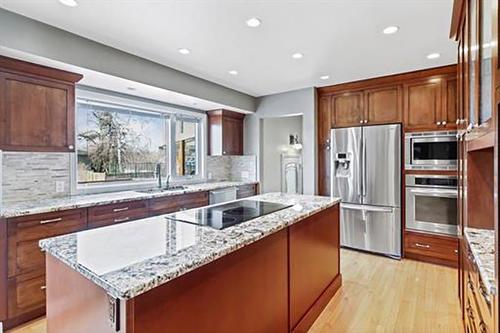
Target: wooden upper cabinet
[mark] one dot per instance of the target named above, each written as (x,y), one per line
(225,132)
(449,113)
(37,108)
(422,105)
(383,105)
(347,109)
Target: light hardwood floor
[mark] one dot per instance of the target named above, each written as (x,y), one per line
(380,295)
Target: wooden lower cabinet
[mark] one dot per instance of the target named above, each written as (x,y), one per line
(438,249)
(105,215)
(174,203)
(24,233)
(26,294)
(477,308)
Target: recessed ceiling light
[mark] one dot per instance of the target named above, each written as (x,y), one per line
(184,51)
(324,77)
(297,55)
(392,29)
(433,56)
(69,3)
(253,22)
(233,72)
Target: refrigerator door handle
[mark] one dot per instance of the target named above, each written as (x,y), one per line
(352,207)
(363,179)
(367,208)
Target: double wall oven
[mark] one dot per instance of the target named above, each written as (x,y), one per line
(431,199)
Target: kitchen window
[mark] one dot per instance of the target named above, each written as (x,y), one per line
(122,144)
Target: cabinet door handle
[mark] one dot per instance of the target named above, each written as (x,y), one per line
(71,147)
(425,246)
(438,123)
(121,220)
(116,210)
(361,121)
(366,121)
(457,122)
(43,288)
(51,220)
(443,123)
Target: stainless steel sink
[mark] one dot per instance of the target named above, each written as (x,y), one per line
(166,189)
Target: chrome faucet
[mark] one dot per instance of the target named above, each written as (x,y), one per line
(158,173)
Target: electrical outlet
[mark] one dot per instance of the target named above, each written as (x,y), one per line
(59,186)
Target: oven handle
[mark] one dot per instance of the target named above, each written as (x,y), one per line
(436,193)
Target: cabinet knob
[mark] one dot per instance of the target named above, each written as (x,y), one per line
(443,123)
(361,121)
(438,123)
(223,153)
(457,122)
(71,147)
(366,121)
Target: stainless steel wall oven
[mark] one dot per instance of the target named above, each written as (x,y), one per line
(431,203)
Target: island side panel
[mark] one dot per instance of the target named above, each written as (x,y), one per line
(314,266)
(74,303)
(245,291)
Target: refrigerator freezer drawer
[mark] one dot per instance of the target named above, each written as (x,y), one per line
(371,228)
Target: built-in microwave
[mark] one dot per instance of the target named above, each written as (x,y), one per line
(431,150)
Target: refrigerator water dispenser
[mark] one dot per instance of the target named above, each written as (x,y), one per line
(343,165)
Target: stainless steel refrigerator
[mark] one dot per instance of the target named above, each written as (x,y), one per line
(366,174)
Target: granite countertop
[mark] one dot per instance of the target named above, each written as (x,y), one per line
(482,245)
(82,201)
(131,258)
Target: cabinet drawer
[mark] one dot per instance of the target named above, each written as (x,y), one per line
(173,203)
(26,293)
(24,233)
(442,248)
(246,191)
(104,215)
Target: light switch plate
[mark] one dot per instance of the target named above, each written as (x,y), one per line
(59,186)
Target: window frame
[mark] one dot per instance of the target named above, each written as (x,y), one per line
(138,104)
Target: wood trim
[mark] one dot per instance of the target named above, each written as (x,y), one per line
(313,313)
(388,80)
(456,18)
(483,142)
(3,269)
(429,259)
(22,67)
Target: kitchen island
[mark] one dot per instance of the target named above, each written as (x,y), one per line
(274,273)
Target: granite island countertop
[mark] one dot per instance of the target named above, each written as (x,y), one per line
(482,245)
(88,200)
(131,258)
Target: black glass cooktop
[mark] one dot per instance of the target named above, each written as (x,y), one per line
(229,214)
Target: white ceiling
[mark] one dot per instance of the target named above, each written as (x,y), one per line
(340,38)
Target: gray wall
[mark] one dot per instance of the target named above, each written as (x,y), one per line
(275,135)
(297,102)
(27,35)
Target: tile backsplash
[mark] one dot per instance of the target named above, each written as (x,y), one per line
(27,176)
(236,168)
